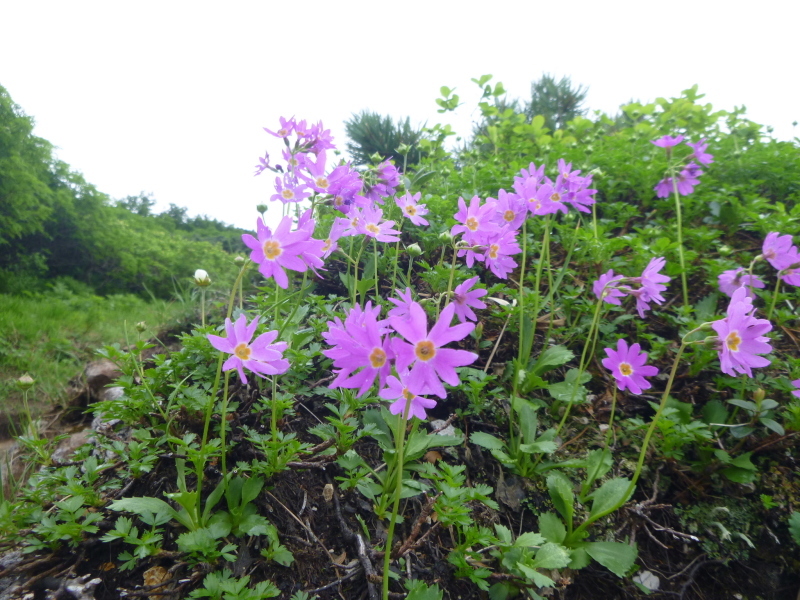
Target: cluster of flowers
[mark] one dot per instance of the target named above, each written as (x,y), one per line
(489,230)
(778,251)
(610,287)
(307,171)
(688,177)
(260,356)
(363,349)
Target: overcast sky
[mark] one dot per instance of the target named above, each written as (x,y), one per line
(170,98)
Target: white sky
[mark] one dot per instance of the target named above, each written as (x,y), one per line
(170,97)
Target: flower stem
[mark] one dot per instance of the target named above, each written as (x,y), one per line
(680,235)
(774,298)
(399,436)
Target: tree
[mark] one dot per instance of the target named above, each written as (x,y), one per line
(139,205)
(557,101)
(371,133)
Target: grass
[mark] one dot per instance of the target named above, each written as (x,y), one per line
(52,336)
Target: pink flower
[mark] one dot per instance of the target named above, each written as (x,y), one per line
(732,279)
(284,249)
(605,288)
(740,337)
(398,390)
(287,126)
(779,251)
(475,220)
(499,249)
(422,351)
(700,154)
(373,225)
(796,383)
(651,282)
(791,276)
(411,210)
(402,306)
(627,365)
(465,300)
(358,344)
(260,356)
(667,141)
(509,210)
(287,191)
(685,182)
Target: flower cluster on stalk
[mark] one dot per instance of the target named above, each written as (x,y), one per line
(688,177)
(611,287)
(740,336)
(366,348)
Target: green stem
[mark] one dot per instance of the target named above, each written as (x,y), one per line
(576,535)
(774,298)
(400,433)
(203,306)
(680,235)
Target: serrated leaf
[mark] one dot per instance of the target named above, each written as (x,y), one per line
(614,556)
(551,556)
(612,493)
(552,528)
(794,527)
(543,447)
(534,575)
(529,539)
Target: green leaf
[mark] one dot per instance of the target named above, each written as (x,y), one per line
(773,425)
(528,422)
(567,390)
(612,493)
(552,528)
(144,504)
(543,447)
(551,556)
(534,575)
(486,440)
(529,539)
(794,527)
(745,404)
(560,489)
(614,556)
(553,357)
(714,412)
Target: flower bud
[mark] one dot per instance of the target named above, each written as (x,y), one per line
(414,250)
(404,148)
(446,237)
(141,326)
(201,278)
(376,158)
(25,382)
(238,261)
(262,208)
(759,395)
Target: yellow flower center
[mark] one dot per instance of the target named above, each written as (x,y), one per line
(287,194)
(326,246)
(322,182)
(272,249)
(411,210)
(372,228)
(493,250)
(377,358)
(472,224)
(338,201)
(242,351)
(732,341)
(625,369)
(508,216)
(407,394)
(425,350)
(555,197)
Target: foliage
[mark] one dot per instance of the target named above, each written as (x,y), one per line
(372,134)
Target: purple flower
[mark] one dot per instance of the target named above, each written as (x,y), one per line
(685,182)
(465,300)
(732,279)
(740,337)
(373,225)
(286,191)
(260,356)
(475,220)
(398,390)
(263,164)
(651,285)
(284,249)
(422,351)
(402,306)
(411,210)
(796,383)
(287,126)
(499,249)
(358,344)
(510,210)
(779,251)
(791,276)
(667,141)
(700,154)
(605,288)
(627,365)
